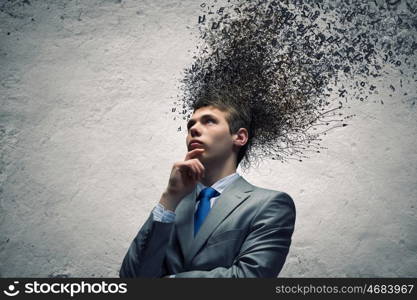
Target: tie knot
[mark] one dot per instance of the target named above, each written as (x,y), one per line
(207,193)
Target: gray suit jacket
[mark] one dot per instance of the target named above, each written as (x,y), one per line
(246,234)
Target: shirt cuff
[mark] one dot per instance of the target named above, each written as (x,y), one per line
(163,215)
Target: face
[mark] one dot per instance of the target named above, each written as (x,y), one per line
(208,127)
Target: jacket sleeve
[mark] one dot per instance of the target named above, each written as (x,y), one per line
(265,249)
(146,253)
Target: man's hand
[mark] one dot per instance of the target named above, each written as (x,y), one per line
(183,179)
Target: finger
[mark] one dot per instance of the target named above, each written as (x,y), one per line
(186,169)
(200,165)
(200,168)
(193,153)
(190,168)
(193,170)
(196,169)
(183,167)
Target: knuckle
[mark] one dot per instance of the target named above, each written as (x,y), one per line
(178,165)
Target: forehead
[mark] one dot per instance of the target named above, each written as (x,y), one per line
(208,110)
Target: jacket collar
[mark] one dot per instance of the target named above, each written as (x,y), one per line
(231,197)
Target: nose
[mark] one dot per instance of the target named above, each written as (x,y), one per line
(195,130)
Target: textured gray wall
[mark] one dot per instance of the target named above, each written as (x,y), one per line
(87,143)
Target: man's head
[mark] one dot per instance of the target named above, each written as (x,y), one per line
(223,127)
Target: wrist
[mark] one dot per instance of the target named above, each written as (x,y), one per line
(169,201)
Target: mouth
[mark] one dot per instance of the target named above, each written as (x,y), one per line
(195,144)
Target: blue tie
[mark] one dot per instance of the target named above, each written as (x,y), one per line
(203,206)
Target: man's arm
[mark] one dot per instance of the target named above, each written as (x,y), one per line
(146,253)
(265,249)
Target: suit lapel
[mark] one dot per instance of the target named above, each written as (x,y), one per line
(232,196)
(185,221)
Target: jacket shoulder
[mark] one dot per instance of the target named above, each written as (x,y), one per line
(264,195)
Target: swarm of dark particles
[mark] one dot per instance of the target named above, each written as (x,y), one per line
(286,61)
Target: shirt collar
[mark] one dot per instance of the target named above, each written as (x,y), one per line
(221,184)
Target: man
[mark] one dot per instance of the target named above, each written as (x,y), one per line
(211,222)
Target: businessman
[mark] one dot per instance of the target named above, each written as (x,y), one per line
(211,222)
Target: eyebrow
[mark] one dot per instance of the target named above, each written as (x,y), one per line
(205,116)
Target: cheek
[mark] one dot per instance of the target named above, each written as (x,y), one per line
(221,142)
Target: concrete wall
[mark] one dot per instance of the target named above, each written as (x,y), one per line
(88,140)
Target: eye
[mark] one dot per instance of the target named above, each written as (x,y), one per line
(211,120)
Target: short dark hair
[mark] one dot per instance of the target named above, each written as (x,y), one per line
(238,116)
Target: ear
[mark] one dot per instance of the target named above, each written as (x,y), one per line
(240,138)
